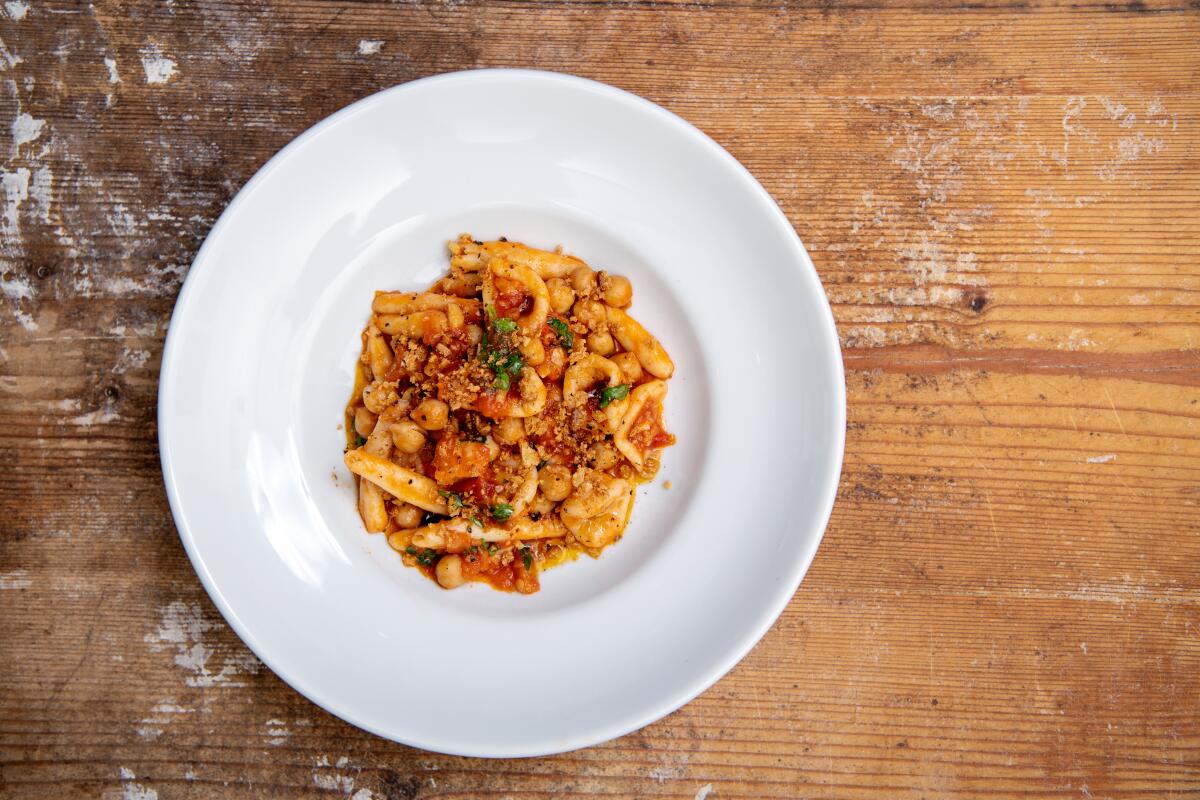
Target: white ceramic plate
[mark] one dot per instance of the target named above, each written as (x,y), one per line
(259,362)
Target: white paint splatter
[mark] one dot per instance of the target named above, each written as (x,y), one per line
(9,59)
(15,580)
(1083,647)
(25,128)
(158,66)
(41,191)
(277,732)
(704,791)
(1103,459)
(113,75)
(121,220)
(98,417)
(162,715)
(663,774)
(16,9)
(333,781)
(182,628)
(16,192)
(134,791)
(131,359)
(369,47)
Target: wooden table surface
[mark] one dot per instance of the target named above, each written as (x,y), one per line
(1003,200)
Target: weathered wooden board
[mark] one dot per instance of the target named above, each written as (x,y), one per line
(1003,200)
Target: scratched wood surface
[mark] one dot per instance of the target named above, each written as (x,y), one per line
(1003,200)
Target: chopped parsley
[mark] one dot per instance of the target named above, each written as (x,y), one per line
(611,393)
(526,557)
(504,325)
(501,511)
(425,557)
(566,337)
(359,441)
(453,499)
(475,521)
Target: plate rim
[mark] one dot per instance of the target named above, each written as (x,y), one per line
(751,635)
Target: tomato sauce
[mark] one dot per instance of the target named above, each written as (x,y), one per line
(510,298)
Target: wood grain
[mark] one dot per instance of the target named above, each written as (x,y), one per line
(1003,200)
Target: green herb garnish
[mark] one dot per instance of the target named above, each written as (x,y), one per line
(427,557)
(502,382)
(611,393)
(501,511)
(526,557)
(454,499)
(504,325)
(542,463)
(475,521)
(359,441)
(566,337)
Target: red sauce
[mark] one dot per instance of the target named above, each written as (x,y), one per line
(494,404)
(510,298)
(647,430)
(482,489)
(480,565)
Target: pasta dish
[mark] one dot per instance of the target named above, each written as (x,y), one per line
(501,420)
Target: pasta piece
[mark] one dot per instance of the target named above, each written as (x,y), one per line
(525,493)
(526,529)
(379,353)
(533,319)
(530,401)
(409,302)
(403,484)
(372,507)
(649,392)
(603,528)
(633,337)
(435,535)
(596,494)
(581,376)
(418,324)
(469,255)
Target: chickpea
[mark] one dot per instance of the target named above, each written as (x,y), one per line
(431,414)
(602,456)
(398,540)
(510,430)
(407,436)
(364,421)
(378,395)
(601,343)
(631,368)
(555,482)
(552,368)
(449,572)
(474,334)
(454,316)
(583,281)
(541,504)
(616,290)
(562,296)
(533,351)
(407,515)
(591,313)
